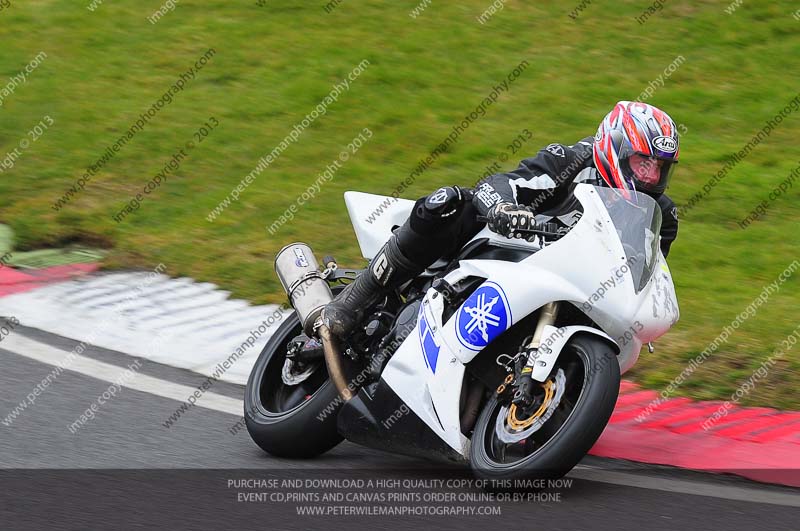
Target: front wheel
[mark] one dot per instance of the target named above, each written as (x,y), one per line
(296,421)
(574,406)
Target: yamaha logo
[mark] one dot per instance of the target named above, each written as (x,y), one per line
(484,315)
(666,144)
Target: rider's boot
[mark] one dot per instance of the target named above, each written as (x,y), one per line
(390,269)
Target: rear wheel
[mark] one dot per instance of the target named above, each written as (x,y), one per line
(297,421)
(575,405)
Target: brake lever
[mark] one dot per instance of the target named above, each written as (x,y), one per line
(538,232)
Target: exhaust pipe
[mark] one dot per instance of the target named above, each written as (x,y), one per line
(333,359)
(308,292)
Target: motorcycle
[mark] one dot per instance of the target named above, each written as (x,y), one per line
(506,356)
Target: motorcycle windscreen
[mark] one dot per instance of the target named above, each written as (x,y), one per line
(637,219)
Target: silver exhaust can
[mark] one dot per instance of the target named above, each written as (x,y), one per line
(299,273)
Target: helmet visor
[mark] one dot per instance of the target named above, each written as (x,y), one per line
(649,174)
(646,170)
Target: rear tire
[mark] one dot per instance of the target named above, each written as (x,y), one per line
(290,421)
(569,434)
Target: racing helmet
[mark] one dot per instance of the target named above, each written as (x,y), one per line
(634,128)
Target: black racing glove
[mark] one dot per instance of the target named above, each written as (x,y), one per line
(506,219)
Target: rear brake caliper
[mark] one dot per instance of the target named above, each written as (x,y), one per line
(303,357)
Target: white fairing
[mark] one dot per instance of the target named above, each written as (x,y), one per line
(373,217)
(427,370)
(553,340)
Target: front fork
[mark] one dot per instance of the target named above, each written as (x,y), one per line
(529,356)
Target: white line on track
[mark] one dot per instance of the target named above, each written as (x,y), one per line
(50,355)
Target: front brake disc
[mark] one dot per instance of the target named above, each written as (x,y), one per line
(509,435)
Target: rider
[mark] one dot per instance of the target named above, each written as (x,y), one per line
(636,148)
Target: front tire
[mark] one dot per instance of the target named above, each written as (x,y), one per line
(591,390)
(297,421)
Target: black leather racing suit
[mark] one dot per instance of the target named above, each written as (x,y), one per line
(441,223)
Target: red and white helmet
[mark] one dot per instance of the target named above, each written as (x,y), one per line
(636,128)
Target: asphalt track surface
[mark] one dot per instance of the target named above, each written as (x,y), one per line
(124,469)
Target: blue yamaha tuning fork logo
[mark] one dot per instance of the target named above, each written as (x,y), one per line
(483,316)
